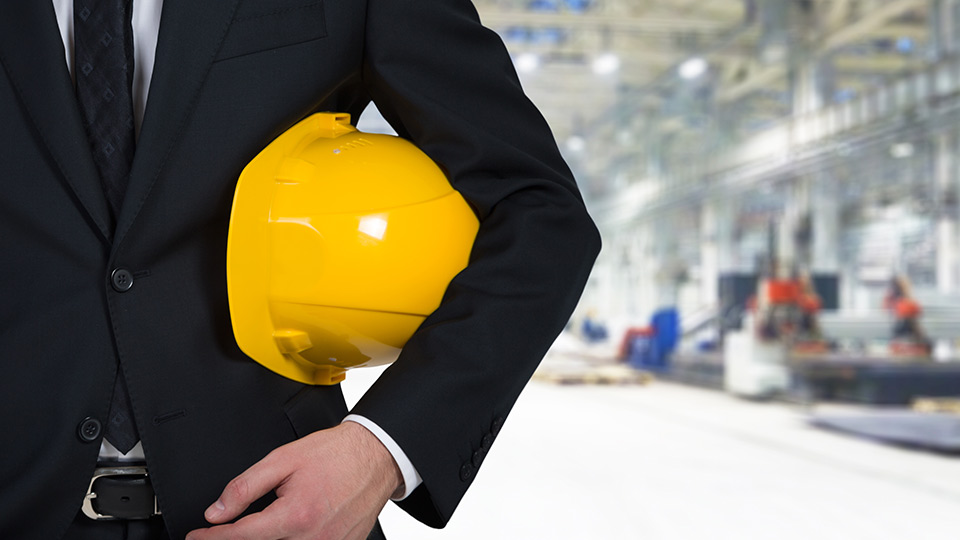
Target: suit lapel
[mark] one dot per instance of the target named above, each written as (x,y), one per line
(31,52)
(191,32)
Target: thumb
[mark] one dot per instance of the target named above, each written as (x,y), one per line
(249,486)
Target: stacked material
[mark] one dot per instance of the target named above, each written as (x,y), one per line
(938,431)
(938,323)
(572,362)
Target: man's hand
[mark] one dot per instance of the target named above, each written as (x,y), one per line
(330,484)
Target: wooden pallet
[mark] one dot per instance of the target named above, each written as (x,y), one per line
(607,375)
(937,405)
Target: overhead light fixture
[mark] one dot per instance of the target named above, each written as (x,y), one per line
(693,68)
(774,52)
(904,45)
(576,143)
(527,62)
(606,64)
(901,150)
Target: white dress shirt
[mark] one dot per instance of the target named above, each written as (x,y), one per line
(146,29)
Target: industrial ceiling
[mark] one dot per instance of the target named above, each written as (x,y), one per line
(639,71)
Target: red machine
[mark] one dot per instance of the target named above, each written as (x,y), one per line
(909,339)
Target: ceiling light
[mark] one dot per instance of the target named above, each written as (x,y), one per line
(693,68)
(901,150)
(904,45)
(527,62)
(606,64)
(774,52)
(576,143)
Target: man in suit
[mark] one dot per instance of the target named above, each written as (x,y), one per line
(98,295)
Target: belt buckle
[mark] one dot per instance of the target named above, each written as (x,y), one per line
(102,472)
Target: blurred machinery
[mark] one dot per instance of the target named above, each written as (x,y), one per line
(884,356)
(756,355)
(908,337)
(650,347)
(781,321)
(789,345)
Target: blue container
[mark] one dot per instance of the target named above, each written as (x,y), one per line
(652,352)
(666,328)
(641,352)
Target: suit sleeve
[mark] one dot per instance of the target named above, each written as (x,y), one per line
(447,83)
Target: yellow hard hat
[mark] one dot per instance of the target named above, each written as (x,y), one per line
(340,245)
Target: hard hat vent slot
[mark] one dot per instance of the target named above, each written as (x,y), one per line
(353,145)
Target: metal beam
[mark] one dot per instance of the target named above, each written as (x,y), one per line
(886,64)
(862,28)
(762,78)
(916,32)
(655,25)
(844,36)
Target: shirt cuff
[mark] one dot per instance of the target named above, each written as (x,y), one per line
(411,478)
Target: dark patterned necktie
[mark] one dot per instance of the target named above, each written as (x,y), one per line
(103,67)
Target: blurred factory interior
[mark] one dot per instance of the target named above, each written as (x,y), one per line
(769,345)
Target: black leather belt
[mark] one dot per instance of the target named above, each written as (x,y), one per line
(120,493)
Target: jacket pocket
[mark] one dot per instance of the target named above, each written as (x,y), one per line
(262,26)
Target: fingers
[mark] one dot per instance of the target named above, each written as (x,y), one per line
(260,479)
(282,519)
(260,526)
(322,492)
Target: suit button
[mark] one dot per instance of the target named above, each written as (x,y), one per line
(466,472)
(487,441)
(495,427)
(89,429)
(121,279)
(478,457)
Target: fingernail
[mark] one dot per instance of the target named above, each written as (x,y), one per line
(215,510)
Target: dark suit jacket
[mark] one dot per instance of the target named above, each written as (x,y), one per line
(230,76)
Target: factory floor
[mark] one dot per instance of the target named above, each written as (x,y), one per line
(669,462)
